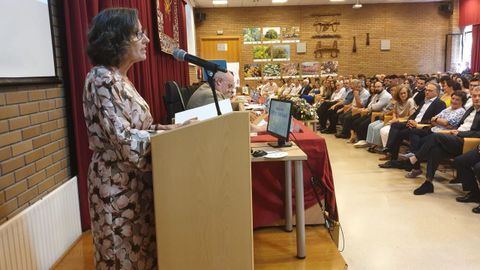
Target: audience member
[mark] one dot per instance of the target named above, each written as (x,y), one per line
(335,110)
(360,99)
(379,101)
(269,88)
(339,94)
(402,110)
(423,115)
(447,119)
(468,172)
(441,145)
(224,87)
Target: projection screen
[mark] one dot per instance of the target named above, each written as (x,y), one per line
(26,49)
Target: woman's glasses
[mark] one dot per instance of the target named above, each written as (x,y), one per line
(140,34)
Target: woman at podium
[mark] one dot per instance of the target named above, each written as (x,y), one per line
(119,124)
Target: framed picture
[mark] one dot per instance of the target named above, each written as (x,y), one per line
(310,69)
(271,71)
(290,70)
(252,35)
(290,34)
(271,34)
(281,52)
(252,72)
(167,25)
(329,68)
(262,53)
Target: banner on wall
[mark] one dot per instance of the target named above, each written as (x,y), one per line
(167,25)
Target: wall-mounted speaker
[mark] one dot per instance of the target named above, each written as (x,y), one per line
(446,8)
(200,17)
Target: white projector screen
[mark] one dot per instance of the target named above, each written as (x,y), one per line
(26,49)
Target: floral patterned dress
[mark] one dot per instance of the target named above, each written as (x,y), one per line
(119,176)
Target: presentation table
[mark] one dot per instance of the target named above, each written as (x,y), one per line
(295,155)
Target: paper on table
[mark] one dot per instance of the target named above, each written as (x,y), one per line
(262,123)
(255,107)
(276,154)
(204,112)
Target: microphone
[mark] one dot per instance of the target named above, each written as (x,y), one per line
(182,55)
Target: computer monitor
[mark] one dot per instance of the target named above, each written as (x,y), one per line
(279,121)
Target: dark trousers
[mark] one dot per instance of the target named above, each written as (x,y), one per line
(436,148)
(322,113)
(347,122)
(418,137)
(332,116)
(468,170)
(398,133)
(360,126)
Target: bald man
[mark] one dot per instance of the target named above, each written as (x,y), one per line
(224,86)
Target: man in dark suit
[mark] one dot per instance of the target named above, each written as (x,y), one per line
(306,88)
(400,131)
(442,145)
(468,172)
(418,93)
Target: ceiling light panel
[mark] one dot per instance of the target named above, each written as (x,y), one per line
(219,2)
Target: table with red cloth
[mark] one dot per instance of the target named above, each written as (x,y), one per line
(268,178)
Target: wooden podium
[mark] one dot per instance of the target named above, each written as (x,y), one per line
(203,195)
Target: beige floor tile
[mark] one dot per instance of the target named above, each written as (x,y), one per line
(387,227)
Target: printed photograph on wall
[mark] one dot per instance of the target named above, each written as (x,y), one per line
(271,34)
(252,72)
(290,70)
(329,68)
(271,71)
(290,34)
(252,35)
(310,69)
(261,53)
(281,52)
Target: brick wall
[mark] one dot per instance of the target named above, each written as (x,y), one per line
(34,151)
(416,30)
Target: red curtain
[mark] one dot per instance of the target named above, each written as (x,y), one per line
(149,76)
(475,62)
(469,12)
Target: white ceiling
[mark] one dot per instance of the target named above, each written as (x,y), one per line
(254,3)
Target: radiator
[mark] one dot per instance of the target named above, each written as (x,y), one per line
(39,235)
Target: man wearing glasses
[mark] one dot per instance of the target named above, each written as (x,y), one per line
(224,86)
(400,131)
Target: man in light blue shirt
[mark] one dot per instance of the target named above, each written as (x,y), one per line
(360,100)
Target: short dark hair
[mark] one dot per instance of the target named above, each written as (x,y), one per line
(450,82)
(110,35)
(445,78)
(462,95)
(456,86)
(422,78)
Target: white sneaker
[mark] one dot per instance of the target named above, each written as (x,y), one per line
(361,144)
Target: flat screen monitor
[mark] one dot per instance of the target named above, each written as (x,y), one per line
(279,121)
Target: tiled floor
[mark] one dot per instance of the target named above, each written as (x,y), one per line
(387,227)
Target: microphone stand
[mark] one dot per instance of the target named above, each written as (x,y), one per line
(210,74)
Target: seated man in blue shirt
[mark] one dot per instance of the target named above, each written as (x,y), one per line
(360,100)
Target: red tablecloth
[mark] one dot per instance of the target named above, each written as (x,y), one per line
(268,179)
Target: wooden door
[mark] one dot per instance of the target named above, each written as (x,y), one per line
(220,48)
